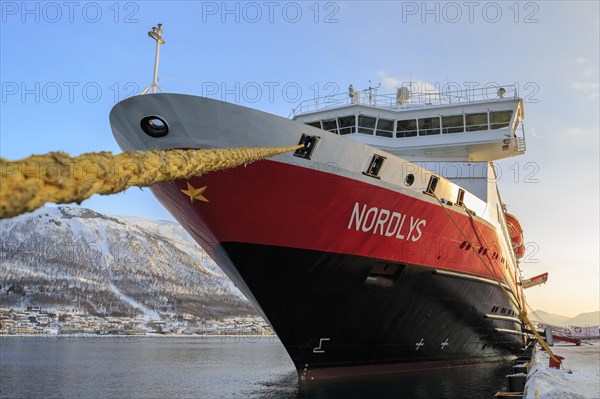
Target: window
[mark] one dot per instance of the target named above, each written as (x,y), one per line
(309,142)
(429,126)
(375,166)
(477,122)
(406,128)
(366,124)
(385,128)
(500,119)
(347,124)
(433,181)
(330,125)
(453,124)
(316,124)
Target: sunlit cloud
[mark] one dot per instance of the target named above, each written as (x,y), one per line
(391,83)
(589,70)
(585,86)
(582,137)
(576,131)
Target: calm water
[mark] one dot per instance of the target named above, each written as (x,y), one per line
(205,368)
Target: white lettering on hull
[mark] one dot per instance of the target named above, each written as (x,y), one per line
(386,223)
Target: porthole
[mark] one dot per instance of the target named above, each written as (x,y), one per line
(154,126)
(409,179)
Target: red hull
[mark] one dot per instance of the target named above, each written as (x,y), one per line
(274,203)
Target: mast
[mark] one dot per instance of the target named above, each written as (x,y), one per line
(156,34)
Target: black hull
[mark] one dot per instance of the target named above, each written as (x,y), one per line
(338,314)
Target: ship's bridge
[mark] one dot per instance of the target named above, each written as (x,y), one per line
(474,125)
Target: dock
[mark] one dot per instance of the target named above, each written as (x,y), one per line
(578,377)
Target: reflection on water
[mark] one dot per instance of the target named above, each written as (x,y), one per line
(481,381)
(207,368)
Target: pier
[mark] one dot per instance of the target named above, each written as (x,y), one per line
(579,376)
(576,377)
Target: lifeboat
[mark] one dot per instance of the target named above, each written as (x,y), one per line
(520,251)
(516,235)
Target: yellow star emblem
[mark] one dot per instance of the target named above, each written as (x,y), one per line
(195,193)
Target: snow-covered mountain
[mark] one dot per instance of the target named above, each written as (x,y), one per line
(582,319)
(107,265)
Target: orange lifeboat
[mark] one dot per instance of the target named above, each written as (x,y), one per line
(516,234)
(520,251)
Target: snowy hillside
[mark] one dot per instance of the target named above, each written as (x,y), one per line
(75,257)
(582,319)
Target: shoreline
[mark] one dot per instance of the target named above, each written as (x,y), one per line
(231,338)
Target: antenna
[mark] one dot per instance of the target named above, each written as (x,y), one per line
(372,91)
(156,34)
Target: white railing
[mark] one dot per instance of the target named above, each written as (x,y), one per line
(394,101)
(520,138)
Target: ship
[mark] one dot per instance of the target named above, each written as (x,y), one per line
(381,245)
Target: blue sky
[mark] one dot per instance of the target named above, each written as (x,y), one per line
(63,65)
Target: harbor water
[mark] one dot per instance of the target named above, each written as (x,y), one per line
(215,367)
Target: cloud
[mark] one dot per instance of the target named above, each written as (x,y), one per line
(588,87)
(577,131)
(582,137)
(391,83)
(581,140)
(589,70)
(585,86)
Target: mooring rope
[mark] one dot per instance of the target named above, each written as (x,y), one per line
(522,309)
(28,184)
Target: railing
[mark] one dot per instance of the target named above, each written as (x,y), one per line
(520,144)
(406,98)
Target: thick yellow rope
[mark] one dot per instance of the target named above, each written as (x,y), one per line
(522,309)
(28,184)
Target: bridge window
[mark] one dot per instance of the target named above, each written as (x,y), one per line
(429,126)
(477,122)
(330,125)
(347,124)
(500,119)
(385,128)
(406,128)
(453,124)
(366,124)
(316,124)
